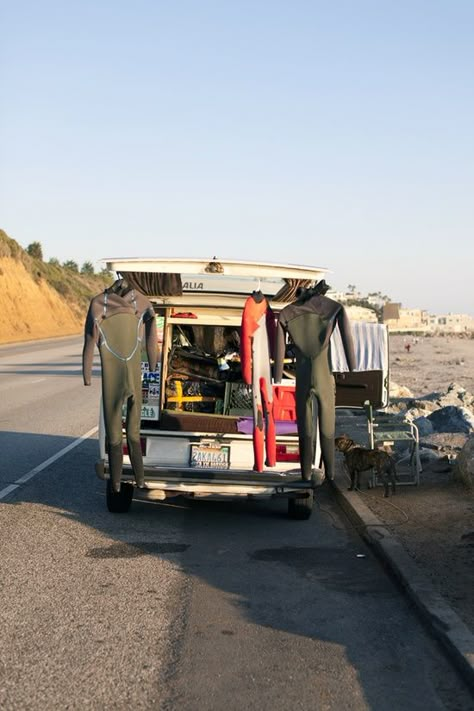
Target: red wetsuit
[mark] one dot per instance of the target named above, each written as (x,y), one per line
(256,343)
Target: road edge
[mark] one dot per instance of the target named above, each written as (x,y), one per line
(444,623)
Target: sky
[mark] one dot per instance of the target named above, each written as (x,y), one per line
(337,134)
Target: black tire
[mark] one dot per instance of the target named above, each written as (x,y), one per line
(121,502)
(300,508)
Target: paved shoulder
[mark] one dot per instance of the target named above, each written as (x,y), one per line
(443,621)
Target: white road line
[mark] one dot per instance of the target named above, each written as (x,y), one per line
(29,475)
(8,490)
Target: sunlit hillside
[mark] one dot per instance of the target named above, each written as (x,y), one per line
(41,300)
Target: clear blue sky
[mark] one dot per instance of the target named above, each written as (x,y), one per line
(338,134)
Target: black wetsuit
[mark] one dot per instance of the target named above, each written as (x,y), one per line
(310,324)
(115,322)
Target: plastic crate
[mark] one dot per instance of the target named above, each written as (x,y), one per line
(284,402)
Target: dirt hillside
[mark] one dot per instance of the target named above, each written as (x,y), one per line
(32,309)
(41,299)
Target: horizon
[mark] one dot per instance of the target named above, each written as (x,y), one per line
(345,290)
(336,135)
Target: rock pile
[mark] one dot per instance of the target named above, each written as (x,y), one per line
(445,422)
(463,470)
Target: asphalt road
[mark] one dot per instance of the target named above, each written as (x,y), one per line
(182,605)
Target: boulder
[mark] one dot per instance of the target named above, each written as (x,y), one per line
(456,395)
(428,456)
(455,388)
(426,406)
(445,441)
(463,470)
(414,412)
(452,419)
(396,391)
(433,397)
(396,408)
(424,425)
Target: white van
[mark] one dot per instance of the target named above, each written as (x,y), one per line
(197,418)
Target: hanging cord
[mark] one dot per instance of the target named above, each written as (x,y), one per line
(331,516)
(397,508)
(389,503)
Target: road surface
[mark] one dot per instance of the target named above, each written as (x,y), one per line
(198,605)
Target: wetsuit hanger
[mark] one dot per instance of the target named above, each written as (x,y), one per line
(321,287)
(305,293)
(257,294)
(120,287)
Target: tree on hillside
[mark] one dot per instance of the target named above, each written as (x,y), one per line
(71,265)
(35,250)
(87,268)
(378,295)
(54,261)
(366,304)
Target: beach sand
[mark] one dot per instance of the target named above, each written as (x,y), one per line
(432,363)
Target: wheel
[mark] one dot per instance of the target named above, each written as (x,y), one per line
(301,507)
(121,502)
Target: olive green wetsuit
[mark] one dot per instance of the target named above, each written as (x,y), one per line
(310,324)
(116,321)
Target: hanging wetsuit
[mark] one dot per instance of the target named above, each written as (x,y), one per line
(256,342)
(310,323)
(115,322)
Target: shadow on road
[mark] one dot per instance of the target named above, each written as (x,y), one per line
(314,583)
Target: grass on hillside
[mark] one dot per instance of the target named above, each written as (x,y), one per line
(76,288)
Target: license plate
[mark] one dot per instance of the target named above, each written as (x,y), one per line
(210,456)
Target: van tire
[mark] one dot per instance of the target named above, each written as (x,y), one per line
(119,502)
(300,508)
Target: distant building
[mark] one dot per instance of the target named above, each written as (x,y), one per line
(340,296)
(451,323)
(400,320)
(344,296)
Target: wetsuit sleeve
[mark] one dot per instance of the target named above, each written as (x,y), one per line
(346,337)
(151,338)
(280,347)
(271,329)
(88,349)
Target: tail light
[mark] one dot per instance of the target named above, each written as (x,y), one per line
(142,446)
(287,453)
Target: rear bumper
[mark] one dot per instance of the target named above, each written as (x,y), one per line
(175,481)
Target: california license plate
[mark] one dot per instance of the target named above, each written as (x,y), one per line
(210,456)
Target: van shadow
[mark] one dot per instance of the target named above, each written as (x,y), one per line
(314,583)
